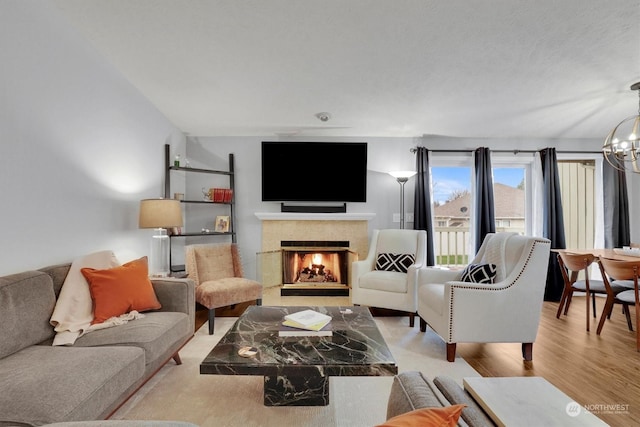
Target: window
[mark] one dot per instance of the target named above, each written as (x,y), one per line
(509,197)
(451,189)
(452,186)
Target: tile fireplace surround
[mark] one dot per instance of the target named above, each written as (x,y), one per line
(278,227)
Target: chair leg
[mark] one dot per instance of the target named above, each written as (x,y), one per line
(567,303)
(588,314)
(412,317)
(527,351)
(593,299)
(606,313)
(625,308)
(563,301)
(423,325)
(212,318)
(451,352)
(176,358)
(637,322)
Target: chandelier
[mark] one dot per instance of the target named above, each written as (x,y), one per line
(621,148)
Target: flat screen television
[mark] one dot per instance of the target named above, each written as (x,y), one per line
(314,171)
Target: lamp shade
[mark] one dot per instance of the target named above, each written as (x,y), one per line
(160,213)
(402,174)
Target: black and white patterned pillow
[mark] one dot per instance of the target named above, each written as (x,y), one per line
(394,262)
(479,273)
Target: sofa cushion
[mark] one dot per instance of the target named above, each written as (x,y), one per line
(390,281)
(157,333)
(27,303)
(446,416)
(43,384)
(119,290)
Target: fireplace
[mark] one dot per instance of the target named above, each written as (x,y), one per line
(315,264)
(343,236)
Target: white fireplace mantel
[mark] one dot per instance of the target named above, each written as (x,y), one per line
(292,216)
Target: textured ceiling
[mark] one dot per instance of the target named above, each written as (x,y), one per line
(495,68)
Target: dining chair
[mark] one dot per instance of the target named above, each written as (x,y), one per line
(621,270)
(571,265)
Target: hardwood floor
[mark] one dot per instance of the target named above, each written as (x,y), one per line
(593,370)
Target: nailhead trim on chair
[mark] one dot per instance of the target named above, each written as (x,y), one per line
(453,288)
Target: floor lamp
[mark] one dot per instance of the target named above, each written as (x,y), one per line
(160,214)
(402,177)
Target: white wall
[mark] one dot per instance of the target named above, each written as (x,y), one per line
(80,145)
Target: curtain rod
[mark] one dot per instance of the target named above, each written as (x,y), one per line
(414,149)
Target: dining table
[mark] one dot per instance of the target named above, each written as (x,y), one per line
(616,254)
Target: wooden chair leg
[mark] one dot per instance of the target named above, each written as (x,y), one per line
(423,325)
(593,299)
(212,318)
(451,352)
(606,312)
(176,358)
(563,301)
(412,317)
(588,314)
(527,351)
(627,314)
(567,303)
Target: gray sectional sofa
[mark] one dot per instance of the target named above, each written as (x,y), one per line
(413,390)
(41,384)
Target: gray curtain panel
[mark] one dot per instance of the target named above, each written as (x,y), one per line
(553,222)
(485,217)
(616,207)
(422,215)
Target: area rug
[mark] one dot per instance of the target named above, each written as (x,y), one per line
(181,393)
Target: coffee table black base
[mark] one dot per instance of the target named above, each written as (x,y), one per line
(296,391)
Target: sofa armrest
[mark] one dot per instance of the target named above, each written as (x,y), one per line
(178,295)
(412,390)
(473,414)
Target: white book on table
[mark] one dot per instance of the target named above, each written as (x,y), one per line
(307,317)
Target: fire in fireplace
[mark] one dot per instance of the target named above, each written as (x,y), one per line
(315,263)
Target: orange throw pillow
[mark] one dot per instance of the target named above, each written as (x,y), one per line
(119,290)
(427,417)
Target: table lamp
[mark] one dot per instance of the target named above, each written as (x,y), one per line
(159,214)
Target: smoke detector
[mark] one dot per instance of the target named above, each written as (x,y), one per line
(323,117)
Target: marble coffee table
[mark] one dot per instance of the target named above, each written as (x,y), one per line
(296,370)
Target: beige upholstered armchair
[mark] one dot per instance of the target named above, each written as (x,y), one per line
(217,272)
(388,277)
(507,310)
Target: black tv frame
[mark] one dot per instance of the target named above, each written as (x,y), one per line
(322,204)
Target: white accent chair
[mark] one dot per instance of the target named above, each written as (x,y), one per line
(507,310)
(390,289)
